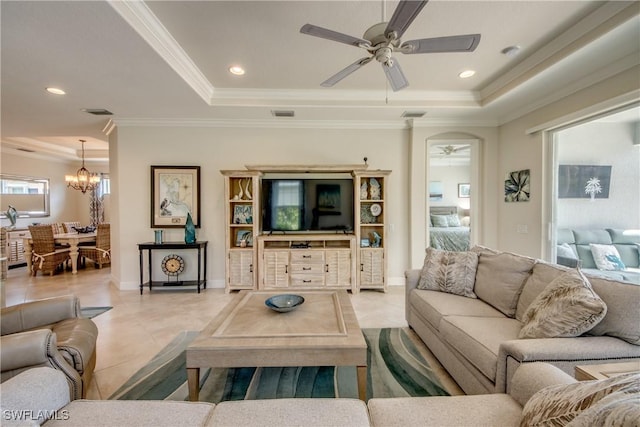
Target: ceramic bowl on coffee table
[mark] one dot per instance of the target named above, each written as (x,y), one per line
(284,302)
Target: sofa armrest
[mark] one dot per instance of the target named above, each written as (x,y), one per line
(533,377)
(38,348)
(26,349)
(412,277)
(34,314)
(564,353)
(34,395)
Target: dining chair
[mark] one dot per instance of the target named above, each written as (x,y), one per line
(69,226)
(100,253)
(45,255)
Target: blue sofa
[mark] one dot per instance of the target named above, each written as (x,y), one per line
(627,242)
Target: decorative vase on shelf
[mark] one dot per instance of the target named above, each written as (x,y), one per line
(374,189)
(240,194)
(247,193)
(363,190)
(189,230)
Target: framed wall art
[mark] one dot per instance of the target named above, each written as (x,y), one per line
(175,191)
(517,186)
(435,191)
(583,181)
(464,190)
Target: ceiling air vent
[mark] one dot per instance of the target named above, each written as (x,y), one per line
(283,113)
(98,111)
(413,114)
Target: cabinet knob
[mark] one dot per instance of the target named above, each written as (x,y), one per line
(361,267)
(326,268)
(286,268)
(306,281)
(306,268)
(306,256)
(250,268)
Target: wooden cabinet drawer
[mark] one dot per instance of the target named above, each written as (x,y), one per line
(302,280)
(307,268)
(307,257)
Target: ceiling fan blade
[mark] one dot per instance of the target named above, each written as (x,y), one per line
(464,43)
(345,72)
(403,16)
(324,33)
(396,77)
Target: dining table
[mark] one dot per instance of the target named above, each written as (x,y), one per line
(71,239)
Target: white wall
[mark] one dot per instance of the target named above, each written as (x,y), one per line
(135,149)
(65,204)
(602,144)
(451,176)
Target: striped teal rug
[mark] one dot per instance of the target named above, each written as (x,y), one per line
(395,369)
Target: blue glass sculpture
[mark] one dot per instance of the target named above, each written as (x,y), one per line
(189,230)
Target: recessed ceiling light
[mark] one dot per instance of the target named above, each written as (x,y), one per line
(236,70)
(466,74)
(56,91)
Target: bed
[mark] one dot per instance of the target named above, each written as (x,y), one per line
(454,237)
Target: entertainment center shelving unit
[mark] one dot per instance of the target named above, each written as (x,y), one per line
(350,259)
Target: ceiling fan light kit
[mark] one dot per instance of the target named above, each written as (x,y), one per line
(383,39)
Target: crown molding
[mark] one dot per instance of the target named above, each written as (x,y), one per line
(222,96)
(260,124)
(628,99)
(604,73)
(138,15)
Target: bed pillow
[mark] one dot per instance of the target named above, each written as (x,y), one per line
(564,403)
(439,221)
(606,257)
(453,220)
(567,307)
(450,272)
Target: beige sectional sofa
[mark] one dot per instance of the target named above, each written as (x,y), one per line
(39,396)
(476,339)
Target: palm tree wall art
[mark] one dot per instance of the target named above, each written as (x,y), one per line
(584,182)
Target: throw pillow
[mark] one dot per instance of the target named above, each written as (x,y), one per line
(450,272)
(565,251)
(453,221)
(439,221)
(567,307)
(617,409)
(606,257)
(500,278)
(560,404)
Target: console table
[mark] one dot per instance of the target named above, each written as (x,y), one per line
(201,246)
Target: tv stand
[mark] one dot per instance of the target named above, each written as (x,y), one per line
(335,258)
(307,261)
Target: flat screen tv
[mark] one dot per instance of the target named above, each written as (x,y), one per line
(307,205)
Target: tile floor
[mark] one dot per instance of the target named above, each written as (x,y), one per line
(139,326)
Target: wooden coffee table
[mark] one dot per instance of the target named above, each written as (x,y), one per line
(605,370)
(323,331)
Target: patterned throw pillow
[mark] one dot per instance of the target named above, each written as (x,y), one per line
(606,257)
(453,220)
(450,272)
(561,404)
(439,221)
(567,307)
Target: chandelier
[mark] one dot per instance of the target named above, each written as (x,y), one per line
(83,180)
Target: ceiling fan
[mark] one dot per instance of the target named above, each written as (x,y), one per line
(448,150)
(383,39)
